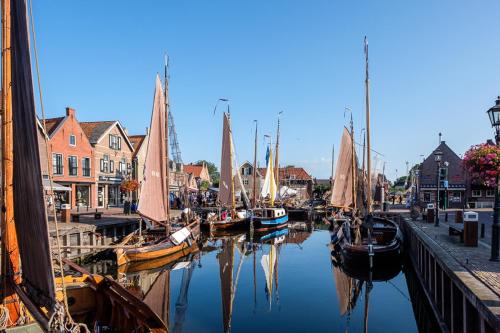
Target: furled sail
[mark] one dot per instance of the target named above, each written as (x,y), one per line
(226,165)
(153,195)
(342,193)
(226,264)
(30,215)
(269,187)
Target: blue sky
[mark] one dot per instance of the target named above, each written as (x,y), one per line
(434,67)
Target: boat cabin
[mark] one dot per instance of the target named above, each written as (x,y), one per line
(272,212)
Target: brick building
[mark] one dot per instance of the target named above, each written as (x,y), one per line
(452,172)
(200,172)
(71,160)
(246,174)
(112,160)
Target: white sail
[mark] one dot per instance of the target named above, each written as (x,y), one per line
(269,187)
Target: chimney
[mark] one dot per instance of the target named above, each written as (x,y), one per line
(70,112)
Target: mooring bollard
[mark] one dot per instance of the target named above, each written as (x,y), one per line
(482,230)
(446,217)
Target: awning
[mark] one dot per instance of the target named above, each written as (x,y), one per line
(55,186)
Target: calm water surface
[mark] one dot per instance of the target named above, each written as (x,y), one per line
(280,284)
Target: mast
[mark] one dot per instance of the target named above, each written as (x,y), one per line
(10,250)
(333,168)
(233,198)
(277,161)
(364,198)
(254,199)
(353,168)
(368,148)
(167,173)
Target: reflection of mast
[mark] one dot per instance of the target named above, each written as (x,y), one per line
(367,294)
(226,262)
(182,300)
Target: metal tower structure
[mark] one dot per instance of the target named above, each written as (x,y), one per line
(175,151)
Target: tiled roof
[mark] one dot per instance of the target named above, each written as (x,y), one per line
(137,141)
(287,172)
(95,129)
(194,169)
(51,124)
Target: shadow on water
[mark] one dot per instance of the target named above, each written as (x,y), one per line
(283,281)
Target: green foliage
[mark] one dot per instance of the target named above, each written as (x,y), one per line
(204,185)
(212,170)
(400,182)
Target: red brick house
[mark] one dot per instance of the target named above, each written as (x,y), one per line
(71,160)
(295,178)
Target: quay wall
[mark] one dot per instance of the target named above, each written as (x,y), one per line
(460,302)
(88,235)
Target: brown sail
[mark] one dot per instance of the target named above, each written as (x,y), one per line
(226,166)
(342,193)
(30,215)
(153,196)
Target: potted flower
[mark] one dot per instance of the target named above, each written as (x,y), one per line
(483,164)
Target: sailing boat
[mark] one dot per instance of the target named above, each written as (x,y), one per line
(228,218)
(153,200)
(367,242)
(271,217)
(59,302)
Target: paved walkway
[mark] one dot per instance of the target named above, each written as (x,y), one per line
(474,259)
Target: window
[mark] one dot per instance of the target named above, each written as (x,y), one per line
(73,165)
(111,166)
(122,166)
(57,164)
(245,181)
(86,167)
(105,164)
(490,193)
(72,140)
(246,171)
(476,193)
(427,197)
(115,142)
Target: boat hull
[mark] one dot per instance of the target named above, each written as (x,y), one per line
(237,224)
(265,224)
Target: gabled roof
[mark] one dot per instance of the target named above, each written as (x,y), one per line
(95,130)
(251,165)
(137,141)
(52,124)
(194,169)
(287,172)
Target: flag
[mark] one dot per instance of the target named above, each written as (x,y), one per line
(267,156)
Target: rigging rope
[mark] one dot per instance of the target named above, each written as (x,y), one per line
(61,315)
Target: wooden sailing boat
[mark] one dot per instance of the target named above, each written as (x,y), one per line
(270,217)
(367,242)
(228,218)
(59,302)
(153,200)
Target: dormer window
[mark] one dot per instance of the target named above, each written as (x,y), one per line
(72,140)
(115,142)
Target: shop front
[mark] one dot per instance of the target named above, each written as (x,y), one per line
(109,193)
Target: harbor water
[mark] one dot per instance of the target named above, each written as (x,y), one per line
(281,282)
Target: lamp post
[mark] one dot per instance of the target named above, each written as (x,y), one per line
(494,115)
(437,157)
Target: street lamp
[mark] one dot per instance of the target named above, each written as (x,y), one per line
(437,157)
(494,115)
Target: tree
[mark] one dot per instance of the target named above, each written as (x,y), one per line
(212,170)
(204,185)
(400,181)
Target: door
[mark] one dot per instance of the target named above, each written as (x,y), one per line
(100,196)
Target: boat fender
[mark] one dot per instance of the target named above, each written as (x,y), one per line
(370,250)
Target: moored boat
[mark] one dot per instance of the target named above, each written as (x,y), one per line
(153,199)
(270,218)
(228,217)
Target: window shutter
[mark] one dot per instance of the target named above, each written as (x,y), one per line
(119,143)
(102,165)
(111,166)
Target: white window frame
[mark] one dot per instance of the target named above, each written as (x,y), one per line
(90,166)
(475,195)
(72,136)
(69,166)
(62,164)
(490,193)
(245,181)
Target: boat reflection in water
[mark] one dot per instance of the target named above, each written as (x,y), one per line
(244,282)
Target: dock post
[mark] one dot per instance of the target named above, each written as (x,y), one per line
(482,230)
